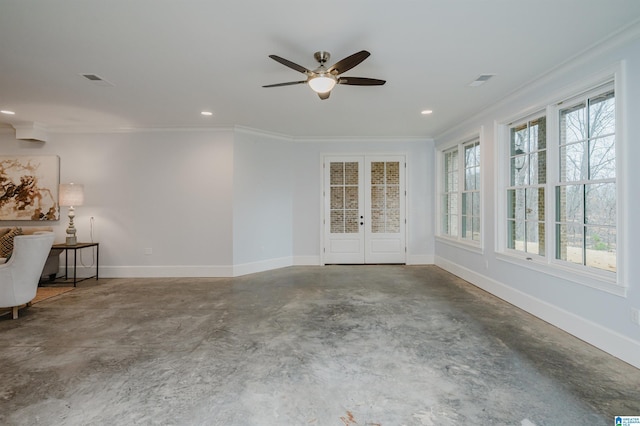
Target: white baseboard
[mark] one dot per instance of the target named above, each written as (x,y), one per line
(159,271)
(209,271)
(422,259)
(608,340)
(261,266)
(223,271)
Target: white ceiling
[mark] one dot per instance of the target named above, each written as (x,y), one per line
(170,59)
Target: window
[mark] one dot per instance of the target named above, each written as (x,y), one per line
(568,171)
(471,192)
(449,199)
(526,190)
(385,197)
(585,211)
(460,196)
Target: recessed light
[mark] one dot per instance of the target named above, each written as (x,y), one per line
(426,112)
(207,113)
(4,111)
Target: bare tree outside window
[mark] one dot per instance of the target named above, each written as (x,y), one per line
(471,192)
(586,195)
(449,197)
(460,192)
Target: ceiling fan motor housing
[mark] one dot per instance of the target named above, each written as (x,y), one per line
(322,56)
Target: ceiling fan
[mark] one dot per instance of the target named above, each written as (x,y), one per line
(323,79)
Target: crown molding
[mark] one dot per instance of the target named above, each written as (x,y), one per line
(364,139)
(107,130)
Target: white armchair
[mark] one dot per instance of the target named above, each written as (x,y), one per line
(20,275)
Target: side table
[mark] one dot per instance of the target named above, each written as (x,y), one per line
(75,247)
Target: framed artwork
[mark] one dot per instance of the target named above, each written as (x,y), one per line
(29,187)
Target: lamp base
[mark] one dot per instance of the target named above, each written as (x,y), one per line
(71,241)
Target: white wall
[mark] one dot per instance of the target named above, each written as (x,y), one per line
(170,191)
(262,202)
(307,207)
(278,205)
(213,202)
(597,316)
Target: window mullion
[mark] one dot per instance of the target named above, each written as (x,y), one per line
(552,172)
(461,188)
(584,224)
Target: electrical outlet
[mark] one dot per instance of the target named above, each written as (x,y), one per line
(635,316)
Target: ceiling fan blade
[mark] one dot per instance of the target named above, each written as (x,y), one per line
(324,95)
(361,81)
(290,64)
(349,62)
(291,83)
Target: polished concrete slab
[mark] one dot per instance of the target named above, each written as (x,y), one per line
(334,345)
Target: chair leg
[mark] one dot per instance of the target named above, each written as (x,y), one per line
(14,312)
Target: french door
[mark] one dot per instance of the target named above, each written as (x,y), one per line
(364,216)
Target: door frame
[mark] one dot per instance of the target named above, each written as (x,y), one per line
(363,155)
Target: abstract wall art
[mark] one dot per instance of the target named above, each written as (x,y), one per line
(29,187)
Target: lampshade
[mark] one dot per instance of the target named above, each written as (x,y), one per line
(71,194)
(322,83)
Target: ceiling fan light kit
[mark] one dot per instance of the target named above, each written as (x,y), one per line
(322,83)
(322,80)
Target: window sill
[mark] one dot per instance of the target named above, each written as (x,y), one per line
(472,247)
(574,275)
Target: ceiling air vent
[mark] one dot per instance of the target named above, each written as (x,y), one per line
(481,80)
(97,80)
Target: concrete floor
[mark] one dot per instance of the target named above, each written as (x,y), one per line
(334,345)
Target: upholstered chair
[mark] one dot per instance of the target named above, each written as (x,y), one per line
(20,275)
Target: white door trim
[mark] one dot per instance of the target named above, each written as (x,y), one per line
(380,246)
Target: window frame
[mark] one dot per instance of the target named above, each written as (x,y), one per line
(461,193)
(526,155)
(611,282)
(474,192)
(557,182)
(450,188)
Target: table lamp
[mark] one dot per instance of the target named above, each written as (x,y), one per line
(71,195)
